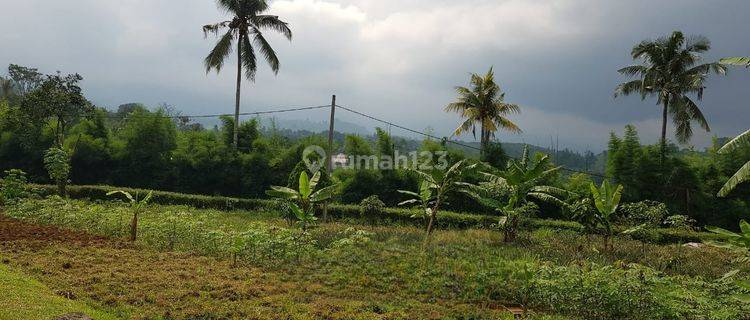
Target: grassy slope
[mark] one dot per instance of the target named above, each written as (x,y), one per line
(26,298)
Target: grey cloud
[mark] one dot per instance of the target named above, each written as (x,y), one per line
(395,59)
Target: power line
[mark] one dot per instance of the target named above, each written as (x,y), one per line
(449,141)
(256,113)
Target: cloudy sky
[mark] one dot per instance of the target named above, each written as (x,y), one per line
(396,59)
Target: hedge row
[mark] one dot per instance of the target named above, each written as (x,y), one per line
(339,211)
(447,219)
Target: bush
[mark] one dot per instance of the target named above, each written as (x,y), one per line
(680,222)
(13,186)
(371,206)
(647,211)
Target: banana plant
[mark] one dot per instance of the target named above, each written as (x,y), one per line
(606,200)
(302,202)
(423,198)
(136,206)
(743,174)
(509,191)
(739,242)
(433,188)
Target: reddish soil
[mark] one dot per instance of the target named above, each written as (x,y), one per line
(15,230)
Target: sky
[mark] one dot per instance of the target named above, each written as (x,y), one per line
(394,59)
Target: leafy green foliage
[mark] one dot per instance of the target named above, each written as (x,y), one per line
(433,189)
(57,163)
(606,201)
(137,206)
(521,181)
(371,206)
(60,98)
(649,212)
(550,273)
(743,174)
(13,187)
(303,200)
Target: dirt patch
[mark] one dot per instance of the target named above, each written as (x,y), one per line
(143,283)
(15,230)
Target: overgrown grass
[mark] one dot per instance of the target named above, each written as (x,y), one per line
(341,212)
(26,298)
(552,271)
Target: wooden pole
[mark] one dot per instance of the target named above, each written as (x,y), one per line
(329,161)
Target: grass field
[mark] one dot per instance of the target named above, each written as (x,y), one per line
(26,298)
(207,264)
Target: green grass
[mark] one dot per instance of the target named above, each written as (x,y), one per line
(385,270)
(26,298)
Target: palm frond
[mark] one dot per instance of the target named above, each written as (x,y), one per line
(630,87)
(249,61)
(633,70)
(223,48)
(214,28)
(267,51)
(269,22)
(736,61)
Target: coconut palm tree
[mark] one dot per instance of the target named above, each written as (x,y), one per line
(244,30)
(483,104)
(670,70)
(743,174)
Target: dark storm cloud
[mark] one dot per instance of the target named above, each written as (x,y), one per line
(395,59)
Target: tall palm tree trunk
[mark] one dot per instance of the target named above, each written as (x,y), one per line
(483,142)
(663,141)
(236,133)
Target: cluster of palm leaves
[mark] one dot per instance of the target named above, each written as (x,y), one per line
(509,191)
(483,104)
(671,70)
(245,31)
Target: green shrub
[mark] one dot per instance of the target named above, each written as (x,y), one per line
(371,206)
(680,222)
(647,211)
(13,186)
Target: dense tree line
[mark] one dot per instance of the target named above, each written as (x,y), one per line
(156,148)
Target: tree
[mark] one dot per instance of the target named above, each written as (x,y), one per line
(743,174)
(670,70)
(510,190)
(433,189)
(356,146)
(57,163)
(302,201)
(60,98)
(248,23)
(483,104)
(246,134)
(623,159)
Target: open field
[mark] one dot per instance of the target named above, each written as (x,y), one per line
(207,264)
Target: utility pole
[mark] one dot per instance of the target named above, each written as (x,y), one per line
(329,160)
